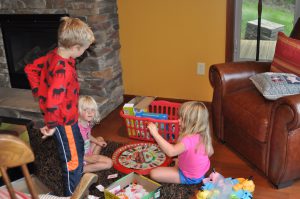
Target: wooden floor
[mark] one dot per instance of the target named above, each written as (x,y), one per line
(224,160)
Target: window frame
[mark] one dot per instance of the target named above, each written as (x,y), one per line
(232,34)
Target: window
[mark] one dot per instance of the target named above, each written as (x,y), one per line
(277,15)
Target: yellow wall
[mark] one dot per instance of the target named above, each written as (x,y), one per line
(162,41)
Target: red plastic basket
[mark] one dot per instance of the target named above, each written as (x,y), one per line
(168,129)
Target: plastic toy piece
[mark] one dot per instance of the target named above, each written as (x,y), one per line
(213,177)
(244,184)
(206,194)
(208,186)
(241,194)
(237,188)
(203,194)
(157,116)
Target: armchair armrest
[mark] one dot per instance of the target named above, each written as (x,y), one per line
(293,103)
(284,140)
(234,76)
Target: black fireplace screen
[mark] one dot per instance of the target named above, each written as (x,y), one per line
(25,38)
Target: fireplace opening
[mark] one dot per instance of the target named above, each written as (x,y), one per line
(26,37)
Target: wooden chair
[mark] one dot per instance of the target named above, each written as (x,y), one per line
(14,152)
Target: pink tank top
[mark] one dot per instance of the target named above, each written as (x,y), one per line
(193,162)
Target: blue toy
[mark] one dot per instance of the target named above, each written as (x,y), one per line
(208,186)
(158,116)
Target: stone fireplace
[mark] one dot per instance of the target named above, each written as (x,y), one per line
(99,72)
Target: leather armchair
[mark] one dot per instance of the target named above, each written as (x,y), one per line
(264,132)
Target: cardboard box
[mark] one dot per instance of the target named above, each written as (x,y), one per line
(135,100)
(128,107)
(143,104)
(152,187)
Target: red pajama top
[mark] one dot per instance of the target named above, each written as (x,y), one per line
(54,81)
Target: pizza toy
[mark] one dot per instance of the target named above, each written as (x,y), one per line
(140,158)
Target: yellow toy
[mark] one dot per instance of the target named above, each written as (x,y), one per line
(203,194)
(208,194)
(244,184)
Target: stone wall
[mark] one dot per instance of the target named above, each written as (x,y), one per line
(100,73)
(4,77)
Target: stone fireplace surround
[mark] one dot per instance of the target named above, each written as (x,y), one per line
(100,73)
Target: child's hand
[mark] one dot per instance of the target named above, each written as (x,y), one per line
(103,144)
(47,132)
(100,141)
(152,128)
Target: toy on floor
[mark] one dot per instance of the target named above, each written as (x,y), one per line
(139,158)
(218,187)
(133,191)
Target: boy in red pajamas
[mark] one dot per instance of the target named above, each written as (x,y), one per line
(54,82)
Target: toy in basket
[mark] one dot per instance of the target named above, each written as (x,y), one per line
(162,113)
(218,187)
(139,158)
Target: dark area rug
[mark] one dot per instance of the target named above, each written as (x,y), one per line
(47,169)
(168,191)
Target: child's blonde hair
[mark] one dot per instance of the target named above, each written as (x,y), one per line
(194,118)
(73,31)
(89,102)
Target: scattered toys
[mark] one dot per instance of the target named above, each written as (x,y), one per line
(133,186)
(218,187)
(132,191)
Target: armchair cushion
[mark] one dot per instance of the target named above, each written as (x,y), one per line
(286,57)
(275,85)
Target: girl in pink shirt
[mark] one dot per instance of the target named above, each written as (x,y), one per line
(89,116)
(194,147)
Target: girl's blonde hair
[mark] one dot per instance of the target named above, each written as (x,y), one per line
(89,102)
(194,118)
(73,31)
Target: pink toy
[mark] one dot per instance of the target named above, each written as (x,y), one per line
(213,177)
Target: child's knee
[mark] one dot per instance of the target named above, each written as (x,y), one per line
(153,174)
(109,163)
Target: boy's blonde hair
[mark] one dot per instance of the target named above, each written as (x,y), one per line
(85,102)
(73,31)
(194,118)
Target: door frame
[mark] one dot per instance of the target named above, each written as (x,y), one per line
(229,45)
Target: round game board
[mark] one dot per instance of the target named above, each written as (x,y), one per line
(139,158)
